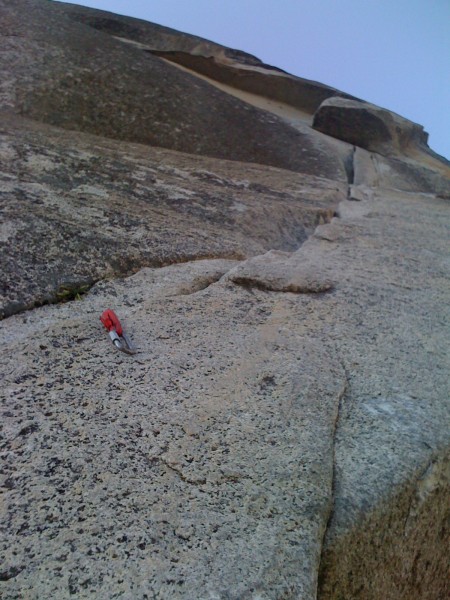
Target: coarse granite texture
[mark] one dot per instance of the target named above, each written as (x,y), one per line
(282,431)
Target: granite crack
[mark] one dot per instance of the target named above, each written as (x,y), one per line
(344,392)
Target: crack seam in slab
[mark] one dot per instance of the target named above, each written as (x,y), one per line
(344,392)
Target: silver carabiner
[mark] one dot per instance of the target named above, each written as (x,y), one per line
(122,342)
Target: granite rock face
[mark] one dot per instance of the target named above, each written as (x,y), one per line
(368,126)
(282,431)
(59,71)
(117,207)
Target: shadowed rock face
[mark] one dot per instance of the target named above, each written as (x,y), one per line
(282,430)
(117,207)
(54,63)
(368,126)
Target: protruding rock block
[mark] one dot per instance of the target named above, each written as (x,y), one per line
(368,126)
(281,272)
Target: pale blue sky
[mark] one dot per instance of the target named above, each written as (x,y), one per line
(394,53)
